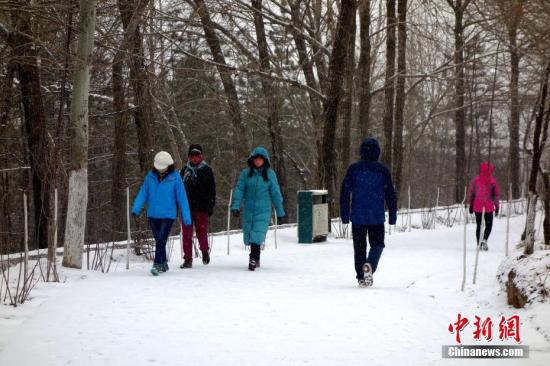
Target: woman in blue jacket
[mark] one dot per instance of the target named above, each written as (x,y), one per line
(164,193)
(258,191)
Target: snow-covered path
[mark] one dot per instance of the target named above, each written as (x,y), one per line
(302,307)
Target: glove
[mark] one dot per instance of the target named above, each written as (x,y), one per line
(210,212)
(236,213)
(281,220)
(471,209)
(497,211)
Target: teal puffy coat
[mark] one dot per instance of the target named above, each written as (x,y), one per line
(258,197)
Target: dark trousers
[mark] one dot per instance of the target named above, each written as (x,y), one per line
(376,241)
(255,250)
(161,230)
(488,225)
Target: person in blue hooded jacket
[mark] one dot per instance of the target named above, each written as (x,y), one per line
(258,191)
(368,185)
(164,193)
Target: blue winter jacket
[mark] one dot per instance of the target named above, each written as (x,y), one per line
(163,198)
(257,196)
(368,183)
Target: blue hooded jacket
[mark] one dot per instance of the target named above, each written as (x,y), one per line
(163,198)
(368,184)
(258,196)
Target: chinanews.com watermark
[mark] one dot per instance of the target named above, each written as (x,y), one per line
(475,351)
(508,331)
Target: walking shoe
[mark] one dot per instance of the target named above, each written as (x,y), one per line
(367,269)
(164,267)
(251,264)
(205,257)
(484,245)
(188,263)
(156,269)
(361,283)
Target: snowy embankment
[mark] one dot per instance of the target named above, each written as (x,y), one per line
(301,307)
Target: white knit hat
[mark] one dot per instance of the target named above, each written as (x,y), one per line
(163,160)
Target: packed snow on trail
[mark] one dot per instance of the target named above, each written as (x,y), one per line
(302,307)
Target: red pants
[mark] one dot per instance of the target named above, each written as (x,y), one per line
(200,221)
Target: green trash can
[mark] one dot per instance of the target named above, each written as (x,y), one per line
(313,220)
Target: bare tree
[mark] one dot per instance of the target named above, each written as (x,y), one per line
(271,96)
(78,177)
(389,85)
(364,68)
(459,8)
(400,95)
(234,108)
(336,77)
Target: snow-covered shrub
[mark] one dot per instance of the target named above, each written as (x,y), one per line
(526,279)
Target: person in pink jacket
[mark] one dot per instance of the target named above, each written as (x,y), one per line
(484,198)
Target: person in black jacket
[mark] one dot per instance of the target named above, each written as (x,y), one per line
(365,189)
(201,194)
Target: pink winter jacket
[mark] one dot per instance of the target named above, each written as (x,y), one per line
(484,191)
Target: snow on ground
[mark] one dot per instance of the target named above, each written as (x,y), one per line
(302,307)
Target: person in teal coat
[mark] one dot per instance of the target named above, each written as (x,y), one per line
(258,191)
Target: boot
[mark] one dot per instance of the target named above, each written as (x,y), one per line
(187,263)
(251,264)
(205,257)
(164,267)
(156,269)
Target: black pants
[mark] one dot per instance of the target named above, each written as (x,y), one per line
(376,241)
(488,225)
(255,250)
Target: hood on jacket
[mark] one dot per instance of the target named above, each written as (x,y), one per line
(259,151)
(486,169)
(370,149)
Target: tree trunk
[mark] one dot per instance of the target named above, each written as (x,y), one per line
(513,157)
(364,69)
(78,177)
(460,116)
(307,68)
(546,204)
(131,12)
(234,109)
(271,96)
(400,95)
(28,73)
(119,165)
(347,99)
(334,93)
(389,86)
(540,135)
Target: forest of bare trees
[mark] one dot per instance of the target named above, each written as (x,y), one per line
(89,91)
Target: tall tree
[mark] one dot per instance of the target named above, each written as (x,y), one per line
(515,14)
(346,112)
(364,68)
(540,136)
(389,85)
(27,66)
(234,108)
(131,14)
(334,92)
(119,164)
(271,96)
(459,8)
(400,94)
(78,177)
